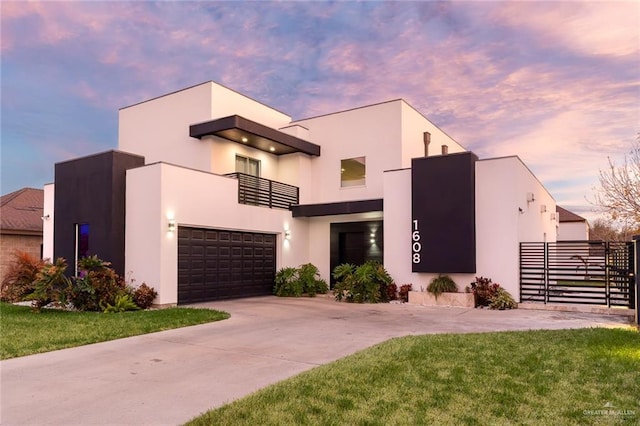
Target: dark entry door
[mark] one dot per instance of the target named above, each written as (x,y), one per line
(218,264)
(351,248)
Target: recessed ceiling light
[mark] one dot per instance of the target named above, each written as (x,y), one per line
(271,149)
(245,139)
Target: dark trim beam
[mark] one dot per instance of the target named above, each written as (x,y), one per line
(331,209)
(246,132)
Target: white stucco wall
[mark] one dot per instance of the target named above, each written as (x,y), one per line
(372,132)
(573,231)
(47,223)
(158,129)
(159,192)
(502,185)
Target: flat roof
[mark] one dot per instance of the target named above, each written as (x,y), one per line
(246,132)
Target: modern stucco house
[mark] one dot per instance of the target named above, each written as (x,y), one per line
(210,192)
(20,225)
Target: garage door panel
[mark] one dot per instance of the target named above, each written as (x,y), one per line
(220,264)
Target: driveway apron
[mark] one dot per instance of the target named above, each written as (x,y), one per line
(171,376)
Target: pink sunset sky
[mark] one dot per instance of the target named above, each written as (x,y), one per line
(556,83)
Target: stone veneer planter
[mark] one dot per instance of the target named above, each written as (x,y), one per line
(462,300)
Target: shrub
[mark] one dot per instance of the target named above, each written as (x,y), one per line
(97,285)
(365,284)
(403,293)
(442,284)
(19,277)
(487,293)
(392,292)
(51,285)
(144,295)
(295,282)
(122,303)
(502,300)
(483,291)
(312,284)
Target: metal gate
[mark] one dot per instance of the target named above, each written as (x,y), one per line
(585,272)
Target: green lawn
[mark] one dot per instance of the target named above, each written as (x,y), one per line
(567,377)
(24,332)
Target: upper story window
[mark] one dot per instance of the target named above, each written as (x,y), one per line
(248,166)
(352,172)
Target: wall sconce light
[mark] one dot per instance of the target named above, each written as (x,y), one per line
(287,234)
(552,216)
(46,217)
(530,197)
(543,208)
(172,225)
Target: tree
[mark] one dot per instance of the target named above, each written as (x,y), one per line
(619,191)
(600,229)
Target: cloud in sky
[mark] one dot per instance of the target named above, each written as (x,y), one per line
(556,83)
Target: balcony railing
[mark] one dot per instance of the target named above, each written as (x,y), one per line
(256,191)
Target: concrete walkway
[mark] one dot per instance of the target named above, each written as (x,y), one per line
(171,376)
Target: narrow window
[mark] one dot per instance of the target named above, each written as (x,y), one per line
(352,172)
(82,243)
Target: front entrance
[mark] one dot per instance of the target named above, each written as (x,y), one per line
(356,243)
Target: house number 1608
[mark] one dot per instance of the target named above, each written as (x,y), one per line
(416,246)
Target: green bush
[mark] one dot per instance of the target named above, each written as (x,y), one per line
(19,277)
(442,284)
(97,285)
(502,300)
(294,282)
(487,293)
(366,283)
(122,303)
(51,285)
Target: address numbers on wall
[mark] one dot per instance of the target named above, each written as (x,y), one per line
(416,245)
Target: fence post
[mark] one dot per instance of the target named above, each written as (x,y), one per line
(546,272)
(636,273)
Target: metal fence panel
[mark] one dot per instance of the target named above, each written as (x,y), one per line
(585,272)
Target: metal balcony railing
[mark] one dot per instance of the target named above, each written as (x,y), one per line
(256,191)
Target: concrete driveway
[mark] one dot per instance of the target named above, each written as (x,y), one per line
(171,376)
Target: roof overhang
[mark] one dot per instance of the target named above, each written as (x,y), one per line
(331,209)
(246,132)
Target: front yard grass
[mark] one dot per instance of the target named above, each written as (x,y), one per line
(24,332)
(565,377)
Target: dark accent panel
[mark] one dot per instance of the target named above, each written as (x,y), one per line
(259,136)
(220,264)
(443,214)
(351,242)
(92,190)
(330,209)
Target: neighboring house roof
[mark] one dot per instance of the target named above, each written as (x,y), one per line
(567,216)
(21,212)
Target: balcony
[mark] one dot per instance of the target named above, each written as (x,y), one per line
(255,191)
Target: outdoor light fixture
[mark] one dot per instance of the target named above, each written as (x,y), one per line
(287,234)
(543,208)
(272,149)
(245,140)
(45,217)
(172,225)
(530,197)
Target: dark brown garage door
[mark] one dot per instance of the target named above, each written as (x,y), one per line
(218,264)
